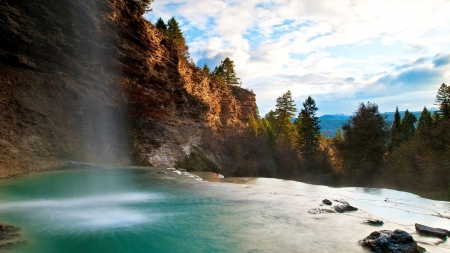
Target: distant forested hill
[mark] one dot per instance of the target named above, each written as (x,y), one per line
(330,123)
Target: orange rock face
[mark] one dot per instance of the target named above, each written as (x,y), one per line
(94,81)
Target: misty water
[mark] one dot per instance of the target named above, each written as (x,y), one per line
(139,210)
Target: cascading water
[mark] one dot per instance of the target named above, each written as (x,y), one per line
(140,210)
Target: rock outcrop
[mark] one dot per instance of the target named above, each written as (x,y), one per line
(387,241)
(94,81)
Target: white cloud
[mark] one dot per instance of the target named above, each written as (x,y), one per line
(300,45)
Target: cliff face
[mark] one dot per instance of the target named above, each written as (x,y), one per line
(92,80)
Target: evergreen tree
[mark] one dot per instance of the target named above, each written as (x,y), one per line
(443,100)
(206,69)
(395,130)
(280,119)
(145,5)
(338,136)
(364,145)
(436,117)
(161,26)
(407,127)
(308,128)
(425,121)
(225,71)
(174,33)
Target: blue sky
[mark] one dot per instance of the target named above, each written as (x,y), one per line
(340,52)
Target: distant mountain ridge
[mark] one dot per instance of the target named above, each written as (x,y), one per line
(329,123)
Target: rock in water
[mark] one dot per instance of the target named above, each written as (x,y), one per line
(387,241)
(374,222)
(344,207)
(438,232)
(326,202)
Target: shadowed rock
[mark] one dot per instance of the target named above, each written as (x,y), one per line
(321,210)
(438,232)
(374,222)
(343,207)
(387,241)
(326,202)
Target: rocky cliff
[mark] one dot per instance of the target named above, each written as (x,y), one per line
(92,80)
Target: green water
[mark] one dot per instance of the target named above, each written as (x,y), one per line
(139,210)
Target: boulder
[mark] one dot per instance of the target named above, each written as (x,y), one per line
(326,202)
(438,232)
(387,241)
(344,207)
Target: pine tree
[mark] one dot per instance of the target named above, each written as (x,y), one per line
(174,33)
(145,5)
(308,128)
(443,100)
(161,26)
(280,119)
(425,121)
(395,130)
(407,127)
(436,117)
(366,136)
(206,69)
(225,71)
(338,136)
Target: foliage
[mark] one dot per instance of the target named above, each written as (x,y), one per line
(407,127)
(308,129)
(206,69)
(425,121)
(161,26)
(225,71)
(365,143)
(443,100)
(145,5)
(174,33)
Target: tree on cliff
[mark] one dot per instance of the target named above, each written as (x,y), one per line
(364,145)
(225,71)
(174,33)
(308,129)
(145,5)
(206,69)
(161,26)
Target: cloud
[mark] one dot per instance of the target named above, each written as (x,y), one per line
(441,60)
(341,52)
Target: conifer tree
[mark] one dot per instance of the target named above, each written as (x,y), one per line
(338,136)
(206,69)
(425,121)
(364,145)
(280,119)
(407,127)
(443,100)
(435,117)
(308,128)
(395,130)
(161,26)
(174,33)
(145,5)
(225,71)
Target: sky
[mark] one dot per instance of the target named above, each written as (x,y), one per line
(339,52)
